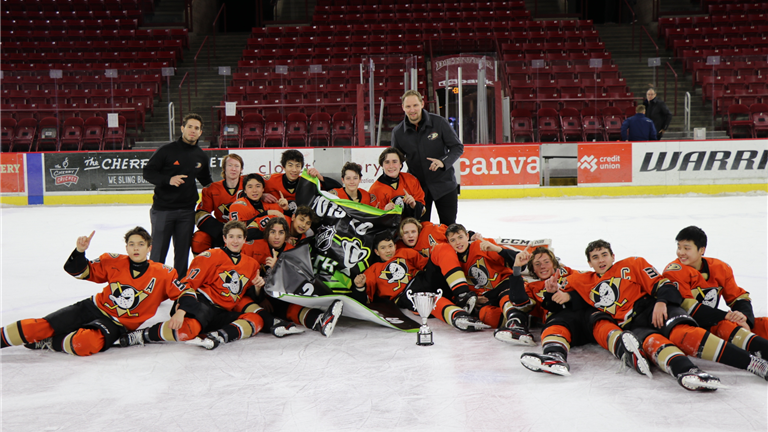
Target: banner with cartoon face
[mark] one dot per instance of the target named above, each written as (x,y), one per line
(344,233)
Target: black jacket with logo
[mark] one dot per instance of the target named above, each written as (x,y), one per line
(173,159)
(434,138)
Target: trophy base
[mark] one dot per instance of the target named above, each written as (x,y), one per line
(424,339)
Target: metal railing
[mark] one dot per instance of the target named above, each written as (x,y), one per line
(196,55)
(640,58)
(189,96)
(687,113)
(171,120)
(634,19)
(669,67)
(188,15)
(215,29)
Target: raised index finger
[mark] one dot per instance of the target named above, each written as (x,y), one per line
(91,236)
(281,194)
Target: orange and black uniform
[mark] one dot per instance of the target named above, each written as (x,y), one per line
(132,296)
(212,213)
(628,292)
(254,214)
(400,276)
(363,196)
(429,236)
(219,295)
(276,184)
(388,189)
(702,290)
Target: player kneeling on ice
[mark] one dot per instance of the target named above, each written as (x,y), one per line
(266,252)
(136,287)
(494,272)
(572,323)
(218,304)
(634,294)
(400,273)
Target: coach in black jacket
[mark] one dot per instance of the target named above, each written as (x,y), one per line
(431,147)
(657,111)
(173,170)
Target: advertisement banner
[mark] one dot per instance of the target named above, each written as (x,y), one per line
(368,158)
(469,65)
(605,163)
(106,171)
(267,161)
(700,162)
(499,165)
(12,173)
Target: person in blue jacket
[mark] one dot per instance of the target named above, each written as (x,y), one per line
(638,127)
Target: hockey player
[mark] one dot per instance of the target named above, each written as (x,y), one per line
(218,301)
(397,188)
(494,275)
(266,252)
(281,187)
(703,282)
(573,323)
(252,209)
(420,236)
(136,287)
(399,273)
(212,211)
(351,173)
(634,294)
(300,224)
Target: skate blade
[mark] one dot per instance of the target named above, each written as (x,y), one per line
(203,343)
(534,364)
(633,345)
(337,309)
(506,336)
(694,383)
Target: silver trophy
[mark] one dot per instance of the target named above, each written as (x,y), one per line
(425,303)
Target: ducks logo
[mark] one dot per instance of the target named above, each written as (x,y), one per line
(707,296)
(479,275)
(126,298)
(606,294)
(396,271)
(234,283)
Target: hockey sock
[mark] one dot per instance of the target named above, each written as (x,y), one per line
(606,334)
(556,338)
(162,332)
(82,342)
(490,315)
(761,327)
(666,355)
(449,265)
(741,337)
(308,317)
(695,341)
(445,310)
(24,332)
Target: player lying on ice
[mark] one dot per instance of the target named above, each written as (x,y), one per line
(640,300)
(572,323)
(404,271)
(218,304)
(136,287)
(266,252)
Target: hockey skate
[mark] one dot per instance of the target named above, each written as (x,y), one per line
(208,342)
(327,321)
(466,301)
(45,344)
(514,333)
(758,366)
(281,328)
(465,322)
(628,351)
(696,379)
(135,337)
(553,363)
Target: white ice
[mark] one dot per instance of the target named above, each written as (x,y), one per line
(367,377)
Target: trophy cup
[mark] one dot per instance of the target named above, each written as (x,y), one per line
(425,303)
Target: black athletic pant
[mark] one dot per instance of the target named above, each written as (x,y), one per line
(447,207)
(178,224)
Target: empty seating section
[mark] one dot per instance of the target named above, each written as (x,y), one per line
(83,59)
(726,54)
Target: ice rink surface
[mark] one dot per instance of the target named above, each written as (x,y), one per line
(367,377)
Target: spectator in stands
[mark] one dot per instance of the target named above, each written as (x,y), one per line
(431,147)
(638,127)
(173,170)
(657,111)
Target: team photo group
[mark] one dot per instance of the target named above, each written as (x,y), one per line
(246,228)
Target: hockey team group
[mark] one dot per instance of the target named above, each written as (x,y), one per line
(244,223)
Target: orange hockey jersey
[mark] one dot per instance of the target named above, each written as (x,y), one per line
(215,200)
(707,290)
(365,196)
(616,292)
(127,300)
(222,279)
(389,279)
(260,250)
(429,236)
(386,190)
(485,269)
(243,210)
(536,291)
(278,183)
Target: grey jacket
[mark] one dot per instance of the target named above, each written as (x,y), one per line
(433,138)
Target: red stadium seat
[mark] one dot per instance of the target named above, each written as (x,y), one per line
(319,129)
(93,133)
(548,124)
(296,129)
(7,131)
(71,134)
(570,121)
(253,130)
(274,129)
(48,134)
(24,137)
(114,138)
(230,134)
(521,125)
(342,128)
